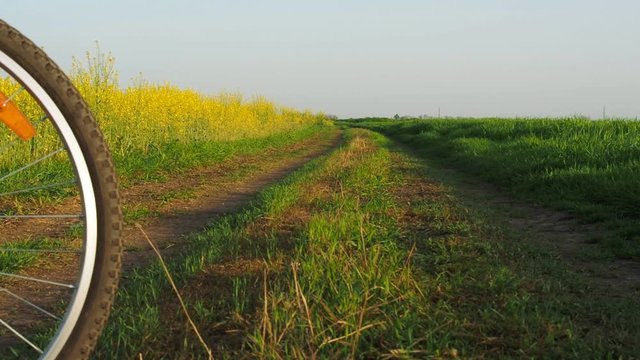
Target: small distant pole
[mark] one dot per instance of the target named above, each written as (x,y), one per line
(604,112)
(438,112)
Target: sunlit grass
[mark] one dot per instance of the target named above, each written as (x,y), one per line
(590,168)
(341,261)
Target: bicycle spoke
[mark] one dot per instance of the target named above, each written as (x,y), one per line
(37,280)
(29,303)
(16,333)
(43,216)
(45,251)
(48,186)
(11,143)
(32,163)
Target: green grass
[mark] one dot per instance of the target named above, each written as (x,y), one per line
(154,165)
(361,254)
(167,160)
(131,214)
(590,168)
(377,286)
(176,157)
(14,261)
(348,288)
(354,265)
(136,319)
(162,167)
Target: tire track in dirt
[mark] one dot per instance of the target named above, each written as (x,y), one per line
(217,191)
(210,192)
(559,232)
(563,234)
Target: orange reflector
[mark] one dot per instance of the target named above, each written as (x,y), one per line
(15,119)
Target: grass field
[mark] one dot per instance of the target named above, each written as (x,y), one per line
(361,255)
(589,168)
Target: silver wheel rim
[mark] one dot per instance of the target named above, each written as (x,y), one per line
(79,297)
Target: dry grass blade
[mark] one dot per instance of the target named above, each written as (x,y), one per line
(354,332)
(266,323)
(302,303)
(175,289)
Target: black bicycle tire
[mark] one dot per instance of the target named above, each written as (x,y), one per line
(104,281)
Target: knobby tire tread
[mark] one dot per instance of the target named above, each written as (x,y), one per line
(108,259)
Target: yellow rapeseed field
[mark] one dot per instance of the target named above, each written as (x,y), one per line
(135,117)
(141,114)
(145,121)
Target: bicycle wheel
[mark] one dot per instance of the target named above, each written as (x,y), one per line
(59,211)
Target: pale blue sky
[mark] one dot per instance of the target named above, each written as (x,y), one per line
(366,57)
